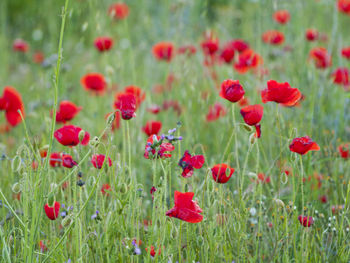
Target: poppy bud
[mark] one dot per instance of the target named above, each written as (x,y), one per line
(81,135)
(279,202)
(110,119)
(66,221)
(53,186)
(94,142)
(252,138)
(16,188)
(248,128)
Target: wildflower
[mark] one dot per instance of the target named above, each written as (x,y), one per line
(163,51)
(42,246)
(118,11)
(94,83)
(152,252)
(126,103)
(306,221)
(137,92)
(97,161)
(252,116)
(280,93)
(210,45)
(55,159)
(311,34)
(103,43)
(67,111)
(228,53)
(11,102)
(341,77)
(345,52)
(20,45)
(222,173)
(231,90)
(188,163)
(152,127)
(247,60)
(156,148)
(239,45)
(320,57)
(215,112)
(281,17)
(52,212)
(67,161)
(38,57)
(344,151)
(273,37)
(344,6)
(303,145)
(68,135)
(185,208)
(95,215)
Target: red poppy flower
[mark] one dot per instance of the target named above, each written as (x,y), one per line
(273,37)
(20,45)
(311,34)
(345,52)
(222,173)
(139,94)
(344,151)
(210,46)
(118,11)
(55,159)
(302,145)
(281,16)
(68,135)
(228,53)
(103,43)
(105,189)
(185,208)
(188,163)
(323,199)
(163,51)
(306,221)
(341,77)
(187,50)
(152,127)
(262,178)
(239,45)
(52,212)
(42,246)
(344,6)
(280,93)
(126,103)
(94,82)
(215,112)
(231,90)
(67,161)
(252,116)
(155,109)
(11,102)
(247,60)
(116,122)
(98,159)
(67,111)
(243,102)
(38,57)
(161,151)
(321,57)
(152,252)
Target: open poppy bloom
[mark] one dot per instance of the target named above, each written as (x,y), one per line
(311,34)
(163,51)
(281,16)
(231,90)
(345,52)
(306,221)
(103,43)
(98,159)
(222,173)
(68,135)
(344,6)
(239,45)
(118,11)
(185,208)
(344,151)
(320,57)
(52,212)
(11,102)
(247,60)
(152,127)
(341,77)
(157,148)
(228,53)
(210,46)
(188,163)
(281,93)
(303,145)
(273,37)
(55,159)
(126,103)
(105,189)
(20,45)
(67,111)
(67,161)
(252,116)
(139,94)
(94,82)
(152,252)
(215,112)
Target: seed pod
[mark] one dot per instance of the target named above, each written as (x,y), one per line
(16,188)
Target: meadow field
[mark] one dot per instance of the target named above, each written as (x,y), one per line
(175,131)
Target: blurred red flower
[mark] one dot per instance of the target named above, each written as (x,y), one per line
(105,189)
(118,11)
(188,163)
(20,45)
(11,102)
(159,151)
(103,43)
(320,57)
(152,127)
(311,34)
(222,173)
(281,16)
(345,52)
(306,221)
(94,82)
(273,37)
(341,77)
(215,112)
(52,212)
(231,90)
(98,159)
(163,51)
(139,94)
(67,111)
(344,151)
(247,60)
(344,6)
(126,103)
(67,161)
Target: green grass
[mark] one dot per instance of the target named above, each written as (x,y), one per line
(231,230)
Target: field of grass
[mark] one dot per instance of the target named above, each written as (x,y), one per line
(282,203)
